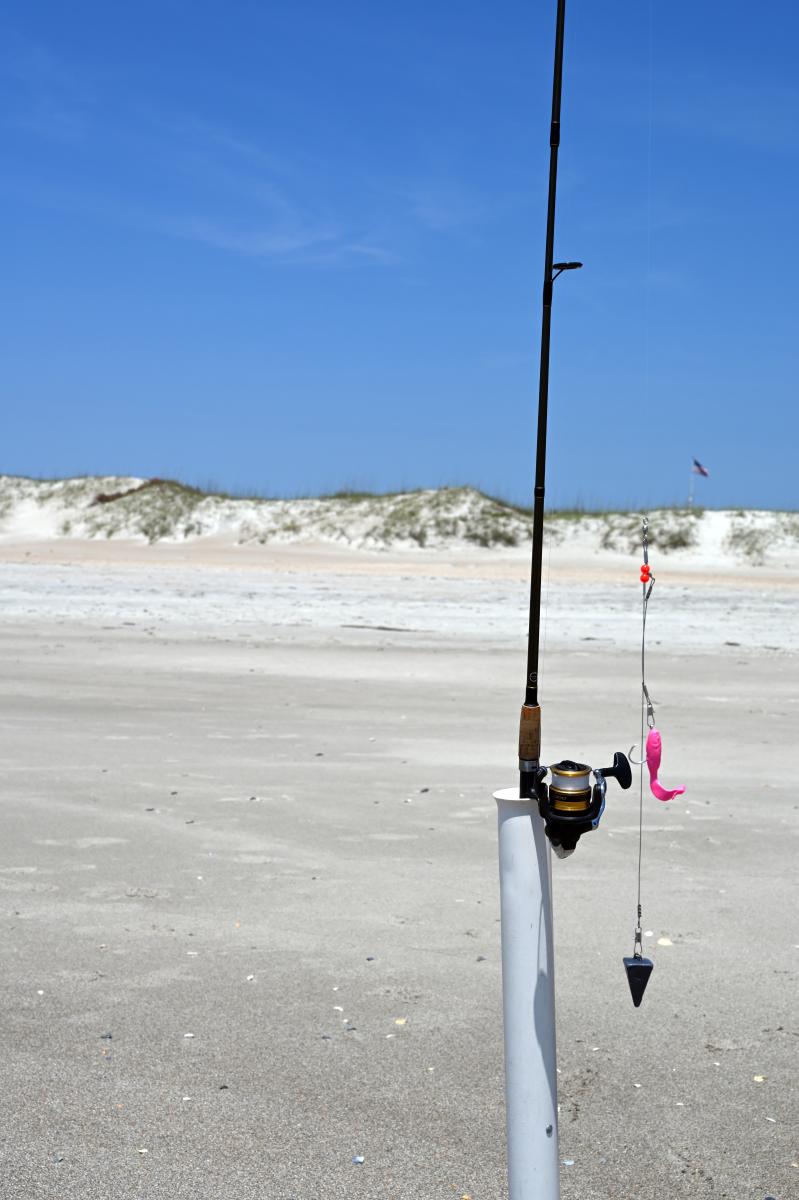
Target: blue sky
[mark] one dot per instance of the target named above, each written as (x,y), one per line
(299,247)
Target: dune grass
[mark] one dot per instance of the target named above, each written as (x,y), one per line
(168,509)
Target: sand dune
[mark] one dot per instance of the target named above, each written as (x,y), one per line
(459,522)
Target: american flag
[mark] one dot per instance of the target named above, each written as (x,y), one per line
(698,469)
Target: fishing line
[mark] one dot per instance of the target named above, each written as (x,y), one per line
(637,967)
(647,718)
(637,950)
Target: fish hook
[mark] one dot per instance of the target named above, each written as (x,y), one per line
(639,762)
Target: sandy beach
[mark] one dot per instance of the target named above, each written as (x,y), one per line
(250,889)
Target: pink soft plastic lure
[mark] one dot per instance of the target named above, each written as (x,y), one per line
(654,750)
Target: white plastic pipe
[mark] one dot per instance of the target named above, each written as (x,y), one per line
(528,999)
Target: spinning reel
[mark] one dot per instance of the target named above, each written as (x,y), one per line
(570,805)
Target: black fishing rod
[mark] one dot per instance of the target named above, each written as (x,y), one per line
(530,726)
(571,805)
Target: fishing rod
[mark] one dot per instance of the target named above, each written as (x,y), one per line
(570,805)
(535,817)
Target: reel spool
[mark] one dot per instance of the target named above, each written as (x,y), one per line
(570,805)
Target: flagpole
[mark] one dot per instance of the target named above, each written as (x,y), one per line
(691,482)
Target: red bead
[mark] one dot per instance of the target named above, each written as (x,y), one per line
(645,568)
(645,579)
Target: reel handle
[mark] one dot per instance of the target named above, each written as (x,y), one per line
(621,770)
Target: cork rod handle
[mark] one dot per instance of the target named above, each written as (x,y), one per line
(530,733)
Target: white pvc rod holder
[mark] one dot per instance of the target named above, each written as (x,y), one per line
(528,999)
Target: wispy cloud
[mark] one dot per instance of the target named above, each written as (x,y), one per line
(311,245)
(451,204)
(218,142)
(350,253)
(253,243)
(259,205)
(303,245)
(206,181)
(197,179)
(764,118)
(445,205)
(44,97)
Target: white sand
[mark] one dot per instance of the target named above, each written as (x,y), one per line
(215,583)
(246,795)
